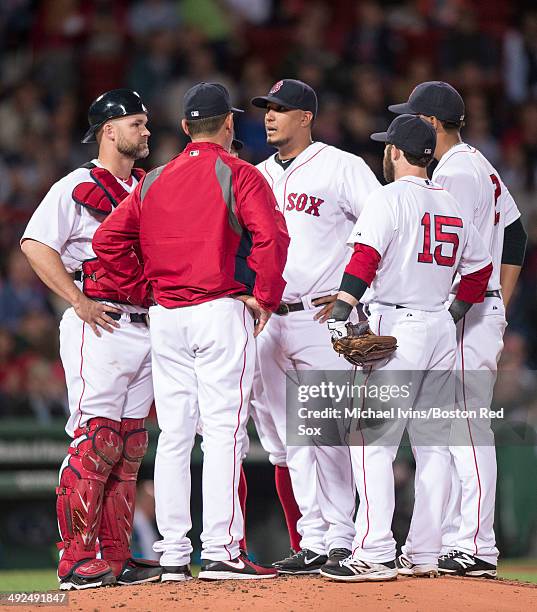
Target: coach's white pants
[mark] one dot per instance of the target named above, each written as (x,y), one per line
(426,341)
(469,517)
(107,376)
(321,476)
(203,366)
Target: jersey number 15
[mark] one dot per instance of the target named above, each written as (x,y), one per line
(441,238)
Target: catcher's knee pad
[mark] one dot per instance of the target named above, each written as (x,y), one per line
(80,492)
(120,495)
(135,442)
(96,449)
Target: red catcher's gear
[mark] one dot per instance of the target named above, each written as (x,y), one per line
(120,496)
(102,195)
(208,226)
(81,489)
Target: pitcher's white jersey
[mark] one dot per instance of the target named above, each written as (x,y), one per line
(321,194)
(483,198)
(418,230)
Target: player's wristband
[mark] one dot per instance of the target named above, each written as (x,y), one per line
(353,285)
(458,309)
(341,310)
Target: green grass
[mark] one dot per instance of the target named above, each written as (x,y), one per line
(45,580)
(28,580)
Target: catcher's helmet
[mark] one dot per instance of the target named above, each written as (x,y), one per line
(111,104)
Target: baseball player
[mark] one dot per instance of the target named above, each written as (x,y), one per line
(105,351)
(321,191)
(469,546)
(214,246)
(402,271)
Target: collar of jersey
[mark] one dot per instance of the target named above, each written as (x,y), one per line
(454,149)
(191,146)
(310,150)
(415,179)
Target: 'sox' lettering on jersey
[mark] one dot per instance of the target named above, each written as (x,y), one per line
(300,203)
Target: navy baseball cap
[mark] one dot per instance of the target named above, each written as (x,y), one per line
(434,99)
(206,100)
(410,134)
(289,93)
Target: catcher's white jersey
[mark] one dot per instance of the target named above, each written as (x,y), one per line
(65,226)
(484,199)
(321,195)
(417,228)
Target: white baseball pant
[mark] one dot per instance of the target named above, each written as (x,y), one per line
(426,341)
(469,516)
(203,366)
(321,476)
(107,376)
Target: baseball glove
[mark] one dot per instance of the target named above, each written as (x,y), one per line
(362,347)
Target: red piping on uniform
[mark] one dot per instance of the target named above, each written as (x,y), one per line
(363,468)
(471,440)
(293,170)
(236,430)
(270,176)
(82,377)
(363,455)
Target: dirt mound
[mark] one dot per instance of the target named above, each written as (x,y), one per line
(293,594)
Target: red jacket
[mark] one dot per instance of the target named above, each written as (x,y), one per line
(207,225)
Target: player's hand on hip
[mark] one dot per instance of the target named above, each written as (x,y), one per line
(94,314)
(260,315)
(326,311)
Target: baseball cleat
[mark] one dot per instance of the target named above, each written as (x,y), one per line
(240,568)
(405,567)
(87,574)
(176,573)
(139,571)
(356,570)
(303,562)
(460,563)
(335,556)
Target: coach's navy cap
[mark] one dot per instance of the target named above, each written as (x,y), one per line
(434,99)
(410,134)
(290,94)
(206,100)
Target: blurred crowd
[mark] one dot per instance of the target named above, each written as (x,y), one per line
(58,55)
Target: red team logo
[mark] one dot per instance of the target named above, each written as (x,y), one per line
(276,87)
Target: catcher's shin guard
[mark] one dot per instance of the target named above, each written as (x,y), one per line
(118,509)
(96,449)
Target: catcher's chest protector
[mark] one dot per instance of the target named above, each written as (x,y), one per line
(100,195)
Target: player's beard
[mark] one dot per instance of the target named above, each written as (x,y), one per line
(132,150)
(277,141)
(387,165)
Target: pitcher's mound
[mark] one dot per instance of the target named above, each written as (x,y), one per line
(315,594)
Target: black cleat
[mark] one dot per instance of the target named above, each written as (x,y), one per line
(138,571)
(176,573)
(459,563)
(88,574)
(335,556)
(240,568)
(356,570)
(303,562)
